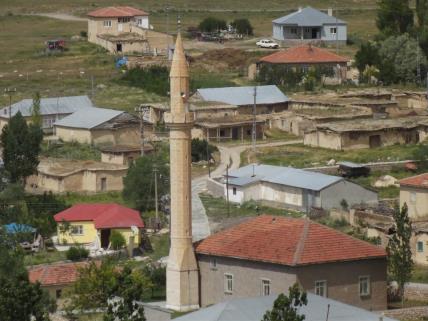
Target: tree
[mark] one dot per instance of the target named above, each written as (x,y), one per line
(421,156)
(21,148)
(36,117)
(285,308)
(367,55)
(202,150)
(117,240)
(394,17)
(422,13)
(242,26)
(139,181)
(212,24)
(400,263)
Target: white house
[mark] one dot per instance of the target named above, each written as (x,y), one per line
(310,24)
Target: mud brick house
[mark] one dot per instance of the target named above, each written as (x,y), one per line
(268,254)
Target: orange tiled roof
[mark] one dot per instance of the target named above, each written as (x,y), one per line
(55,274)
(420,181)
(113,12)
(287,241)
(303,55)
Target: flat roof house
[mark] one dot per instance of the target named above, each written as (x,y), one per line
(309,25)
(99,126)
(93,224)
(268,254)
(294,188)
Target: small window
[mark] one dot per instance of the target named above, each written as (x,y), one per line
(321,288)
(228,283)
(234,191)
(222,133)
(139,21)
(333,31)
(213,263)
(265,287)
(293,31)
(307,30)
(107,23)
(420,246)
(413,197)
(364,284)
(77,229)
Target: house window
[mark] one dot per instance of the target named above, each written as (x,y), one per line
(265,287)
(420,246)
(293,31)
(213,263)
(123,20)
(222,133)
(139,21)
(413,197)
(364,284)
(307,30)
(321,288)
(107,23)
(333,31)
(58,293)
(234,191)
(77,229)
(228,283)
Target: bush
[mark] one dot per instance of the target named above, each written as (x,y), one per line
(83,34)
(153,79)
(243,26)
(212,24)
(77,253)
(201,150)
(117,240)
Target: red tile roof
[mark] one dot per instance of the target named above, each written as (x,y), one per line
(303,55)
(420,181)
(113,12)
(103,215)
(287,241)
(55,274)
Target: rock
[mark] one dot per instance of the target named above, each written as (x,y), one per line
(331,162)
(101,86)
(386,181)
(76,38)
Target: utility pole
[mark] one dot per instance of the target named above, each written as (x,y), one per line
(92,87)
(227,190)
(10,92)
(254,134)
(155,171)
(208,159)
(142,111)
(337,29)
(418,67)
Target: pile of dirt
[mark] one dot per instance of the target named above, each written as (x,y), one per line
(224,59)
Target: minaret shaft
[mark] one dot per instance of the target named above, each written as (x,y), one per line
(182,272)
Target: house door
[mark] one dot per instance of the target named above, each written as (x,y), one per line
(103,184)
(374,141)
(235,133)
(105,238)
(120,27)
(314,33)
(119,47)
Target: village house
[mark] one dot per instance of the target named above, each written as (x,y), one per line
(92,224)
(126,30)
(56,278)
(123,154)
(99,126)
(51,110)
(302,58)
(293,188)
(310,25)
(414,192)
(62,176)
(267,254)
(368,133)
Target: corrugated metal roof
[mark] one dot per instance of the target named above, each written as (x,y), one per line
(88,118)
(49,106)
(350,164)
(253,309)
(308,17)
(244,95)
(288,176)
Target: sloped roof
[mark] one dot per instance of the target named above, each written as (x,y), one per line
(308,17)
(243,95)
(288,176)
(55,274)
(103,215)
(304,55)
(88,118)
(113,12)
(420,181)
(49,106)
(287,241)
(253,309)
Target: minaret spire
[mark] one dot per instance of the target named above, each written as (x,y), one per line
(182,290)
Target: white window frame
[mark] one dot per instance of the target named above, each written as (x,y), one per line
(107,23)
(320,285)
(422,247)
(333,30)
(365,278)
(213,263)
(265,285)
(228,283)
(76,230)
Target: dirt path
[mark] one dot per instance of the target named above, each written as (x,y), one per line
(59,16)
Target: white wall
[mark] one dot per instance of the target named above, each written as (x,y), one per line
(328,36)
(144,22)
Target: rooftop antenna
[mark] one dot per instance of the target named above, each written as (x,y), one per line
(254,120)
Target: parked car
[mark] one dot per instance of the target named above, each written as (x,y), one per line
(267,43)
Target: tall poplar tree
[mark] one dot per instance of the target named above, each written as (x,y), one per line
(394,17)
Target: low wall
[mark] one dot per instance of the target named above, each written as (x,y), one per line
(415,313)
(215,188)
(381,166)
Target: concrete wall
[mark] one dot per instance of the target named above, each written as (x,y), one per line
(119,158)
(324,139)
(342,279)
(66,134)
(89,233)
(284,32)
(341,36)
(416,200)
(420,257)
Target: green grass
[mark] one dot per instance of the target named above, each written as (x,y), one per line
(160,245)
(44,257)
(217,209)
(109,197)
(71,151)
(420,274)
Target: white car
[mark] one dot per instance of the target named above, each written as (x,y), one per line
(267,43)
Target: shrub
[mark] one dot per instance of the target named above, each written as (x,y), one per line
(212,24)
(153,79)
(76,253)
(201,149)
(83,34)
(117,240)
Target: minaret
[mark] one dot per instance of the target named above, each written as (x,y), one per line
(182,288)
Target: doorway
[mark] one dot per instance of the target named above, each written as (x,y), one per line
(235,133)
(105,238)
(103,184)
(120,27)
(119,47)
(374,141)
(314,33)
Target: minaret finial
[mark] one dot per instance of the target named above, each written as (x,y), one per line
(178,24)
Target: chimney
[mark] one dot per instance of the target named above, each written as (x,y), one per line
(330,12)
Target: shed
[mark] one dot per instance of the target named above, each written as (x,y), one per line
(350,169)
